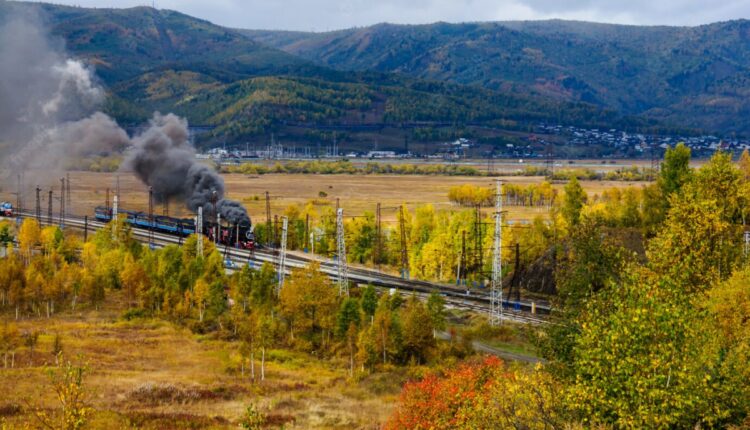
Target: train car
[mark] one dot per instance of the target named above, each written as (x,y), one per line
(6,209)
(237,236)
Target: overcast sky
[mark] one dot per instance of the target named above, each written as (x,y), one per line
(322,15)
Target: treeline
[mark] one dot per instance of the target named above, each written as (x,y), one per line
(347,167)
(630,174)
(532,195)
(660,340)
(51,272)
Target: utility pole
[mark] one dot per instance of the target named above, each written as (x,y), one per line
(517,273)
(199,232)
(343,276)
(67,191)
(462,259)
(85,228)
(215,209)
(49,208)
(38,205)
(268,219)
(307,229)
(404,251)
(217,240)
(496,289)
(117,188)
(62,203)
(275,231)
(106,200)
(282,254)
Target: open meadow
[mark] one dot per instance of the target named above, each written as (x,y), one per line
(151,374)
(357,193)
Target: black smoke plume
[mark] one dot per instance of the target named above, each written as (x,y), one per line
(163,158)
(49,116)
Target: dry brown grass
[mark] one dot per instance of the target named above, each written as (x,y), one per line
(358,193)
(153,374)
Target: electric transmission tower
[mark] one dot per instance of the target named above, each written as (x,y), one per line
(199,232)
(282,253)
(114,217)
(343,277)
(496,289)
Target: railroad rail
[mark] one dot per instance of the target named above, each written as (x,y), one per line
(455,296)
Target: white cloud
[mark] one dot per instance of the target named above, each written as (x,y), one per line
(321,15)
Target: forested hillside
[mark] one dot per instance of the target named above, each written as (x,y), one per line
(167,61)
(696,76)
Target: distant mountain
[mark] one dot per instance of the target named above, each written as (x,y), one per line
(124,43)
(693,76)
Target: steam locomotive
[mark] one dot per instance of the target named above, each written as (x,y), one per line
(6,209)
(239,236)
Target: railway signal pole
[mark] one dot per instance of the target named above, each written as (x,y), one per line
(282,254)
(38,205)
(343,276)
(462,259)
(496,291)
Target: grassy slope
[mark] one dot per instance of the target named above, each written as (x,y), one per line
(301,390)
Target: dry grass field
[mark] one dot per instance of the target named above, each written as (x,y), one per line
(357,193)
(154,375)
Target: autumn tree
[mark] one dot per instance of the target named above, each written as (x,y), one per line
(200,296)
(386,330)
(480,395)
(369,301)
(10,340)
(348,314)
(67,383)
(744,165)
(436,309)
(134,280)
(590,263)
(675,169)
(28,237)
(575,198)
(418,331)
(308,302)
(728,307)
(643,359)
(697,244)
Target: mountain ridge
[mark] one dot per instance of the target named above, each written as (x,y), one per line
(696,76)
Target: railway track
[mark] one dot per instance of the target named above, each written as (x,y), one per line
(455,296)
